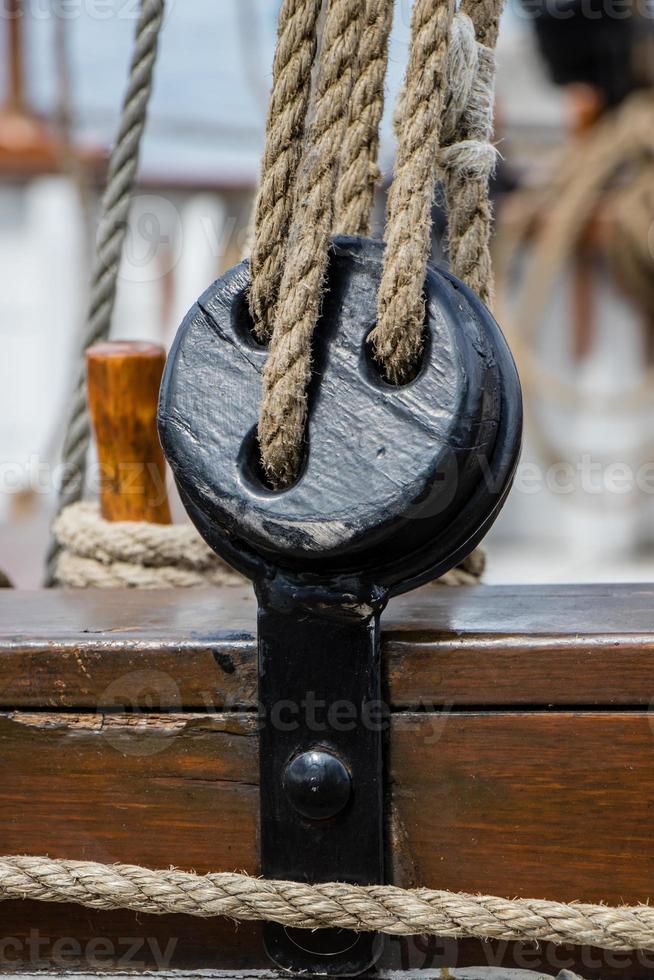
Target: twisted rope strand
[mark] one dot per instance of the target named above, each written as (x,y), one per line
(469,159)
(287,113)
(359,171)
(485,15)
(288,366)
(379,908)
(77,572)
(397,338)
(135,554)
(461,122)
(116,554)
(123,164)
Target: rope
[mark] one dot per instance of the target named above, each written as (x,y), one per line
(359,170)
(302,187)
(468,159)
(397,338)
(288,365)
(485,15)
(112,229)
(289,103)
(612,170)
(445,121)
(630,241)
(134,554)
(101,554)
(462,122)
(378,908)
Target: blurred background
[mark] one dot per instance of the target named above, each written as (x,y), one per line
(574,244)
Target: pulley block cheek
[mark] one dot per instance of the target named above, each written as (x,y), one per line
(398,484)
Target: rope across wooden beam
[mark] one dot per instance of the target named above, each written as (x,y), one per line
(380,908)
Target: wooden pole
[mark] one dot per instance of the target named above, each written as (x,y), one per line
(123,380)
(15,75)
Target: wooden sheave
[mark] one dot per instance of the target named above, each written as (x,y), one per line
(520,755)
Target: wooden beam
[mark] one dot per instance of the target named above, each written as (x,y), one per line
(502,646)
(519,759)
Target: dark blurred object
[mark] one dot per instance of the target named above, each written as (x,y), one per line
(606,45)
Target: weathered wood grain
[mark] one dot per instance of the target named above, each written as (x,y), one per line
(123,378)
(481,646)
(541,804)
(520,758)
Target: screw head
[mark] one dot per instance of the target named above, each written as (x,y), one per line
(318,784)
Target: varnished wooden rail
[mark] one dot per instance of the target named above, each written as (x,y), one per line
(520,752)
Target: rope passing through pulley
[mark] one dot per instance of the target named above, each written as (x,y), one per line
(368,448)
(318,174)
(337,467)
(318,177)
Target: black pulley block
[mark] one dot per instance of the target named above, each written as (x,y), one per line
(397,485)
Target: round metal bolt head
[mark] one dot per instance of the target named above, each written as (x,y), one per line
(318,784)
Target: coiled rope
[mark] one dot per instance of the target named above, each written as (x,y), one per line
(379,908)
(112,229)
(101,554)
(612,168)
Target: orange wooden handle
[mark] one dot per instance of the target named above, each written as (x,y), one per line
(123,380)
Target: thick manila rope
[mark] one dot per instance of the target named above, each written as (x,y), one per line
(377,908)
(466,160)
(351,88)
(284,144)
(287,113)
(397,337)
(288,366)
(359,172)
(444,125)
(135,554)
(112,229)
